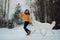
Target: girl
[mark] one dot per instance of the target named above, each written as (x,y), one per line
(27,19)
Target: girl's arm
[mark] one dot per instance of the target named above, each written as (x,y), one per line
(30,20)
(20,15)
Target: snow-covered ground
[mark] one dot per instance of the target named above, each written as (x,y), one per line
(18,33)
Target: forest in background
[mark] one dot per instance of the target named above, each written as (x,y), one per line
(45,11)
(48,11)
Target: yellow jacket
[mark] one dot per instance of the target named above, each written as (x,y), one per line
(25,17)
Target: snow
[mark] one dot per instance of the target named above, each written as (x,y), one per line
(18,33)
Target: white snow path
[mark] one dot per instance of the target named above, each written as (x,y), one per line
(18,33)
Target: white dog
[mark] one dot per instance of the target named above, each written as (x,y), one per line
(42,27)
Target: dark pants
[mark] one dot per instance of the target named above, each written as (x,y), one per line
(25,26)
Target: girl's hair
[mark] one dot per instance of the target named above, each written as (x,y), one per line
(27,13)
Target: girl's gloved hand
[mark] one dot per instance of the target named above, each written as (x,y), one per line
(31,23)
